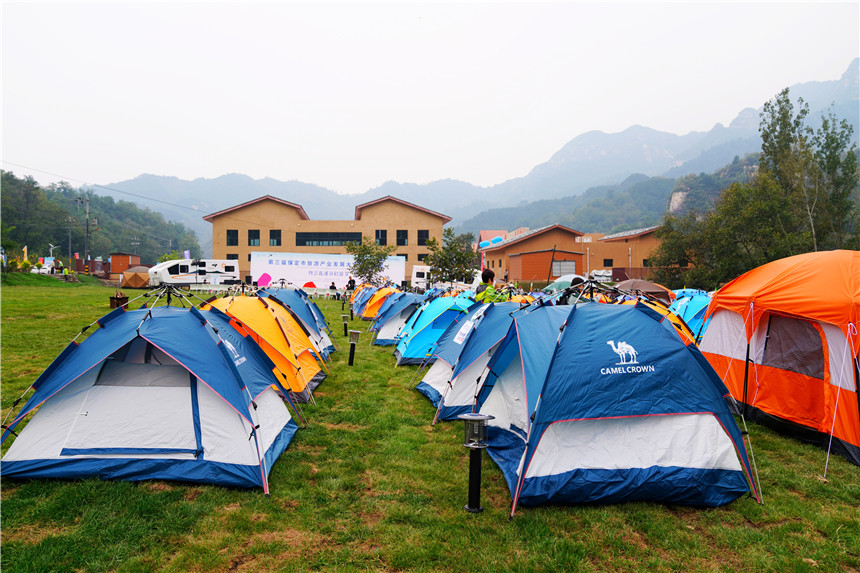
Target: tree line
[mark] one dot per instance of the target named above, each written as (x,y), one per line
(802,198)
(38,217)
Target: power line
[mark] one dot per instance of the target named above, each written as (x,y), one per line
(104,187)
(232,217)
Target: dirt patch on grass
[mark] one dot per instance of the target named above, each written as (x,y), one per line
(32,533)
(192,494)
(8,492)
(157,486)
(288,503)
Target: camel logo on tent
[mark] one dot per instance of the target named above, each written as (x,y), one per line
(628,360)
(237,360)
(626,353)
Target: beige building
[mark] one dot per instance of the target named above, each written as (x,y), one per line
(535,256)
(270,224)
(626,252)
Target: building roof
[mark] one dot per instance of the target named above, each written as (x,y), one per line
(547,251)
(358,208)
(524,236)
(295,206)
(629,234)
(488,235)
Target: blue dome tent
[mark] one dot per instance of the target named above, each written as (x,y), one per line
(625,412)
(162,393)
(423,329)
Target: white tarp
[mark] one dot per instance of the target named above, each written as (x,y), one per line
(299,269)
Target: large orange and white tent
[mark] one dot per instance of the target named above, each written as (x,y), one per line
(784,338)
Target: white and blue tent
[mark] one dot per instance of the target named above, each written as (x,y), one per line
(393,315)
(453,382)
(419,335)
(445,353)
(162,393)
(625,412)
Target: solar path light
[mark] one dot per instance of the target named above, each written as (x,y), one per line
(345,319)
(475,440)
(353,340)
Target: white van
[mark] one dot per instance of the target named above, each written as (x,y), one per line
(420,277)
(195,271)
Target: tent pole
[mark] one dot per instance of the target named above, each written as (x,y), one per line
(746,380)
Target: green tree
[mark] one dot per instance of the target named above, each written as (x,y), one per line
(804,198)
(171,256)
(816,171)
(454,259)
(368,259)
(836,158)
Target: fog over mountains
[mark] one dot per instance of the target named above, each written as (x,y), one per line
(592,159)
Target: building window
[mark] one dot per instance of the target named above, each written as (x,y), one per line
(402,238)
(500,263)
(404,255)
(232,237)
(326,239)
(561,268)
(381,237)
(492,263)
(423,235)
(607,262)
(249,257)
(253,237)
(422,257)
(646,263)
(275,238)
(232,256)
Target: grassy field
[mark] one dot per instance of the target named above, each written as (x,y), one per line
(370,485)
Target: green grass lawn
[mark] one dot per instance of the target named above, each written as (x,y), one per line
(370,485)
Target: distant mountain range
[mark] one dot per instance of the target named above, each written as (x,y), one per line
(592,160)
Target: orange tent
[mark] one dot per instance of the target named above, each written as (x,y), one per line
(522,298)
(376,300)
(280,337)
(784,338)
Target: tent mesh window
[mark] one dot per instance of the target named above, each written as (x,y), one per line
(794,345)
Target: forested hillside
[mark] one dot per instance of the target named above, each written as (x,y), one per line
(37,217)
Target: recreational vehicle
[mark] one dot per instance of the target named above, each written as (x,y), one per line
(195,271)
(420,277)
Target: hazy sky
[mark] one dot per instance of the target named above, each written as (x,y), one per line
(350,95)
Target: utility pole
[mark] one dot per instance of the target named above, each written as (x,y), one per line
(86,201)
(70,220)
(134,244)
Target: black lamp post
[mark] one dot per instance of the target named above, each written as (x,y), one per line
(344,318)
(475,440)
(353,340)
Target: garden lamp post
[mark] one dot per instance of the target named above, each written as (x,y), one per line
(475,440)
(344,318)
(353,340)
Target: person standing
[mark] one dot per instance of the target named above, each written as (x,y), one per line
(486,292)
